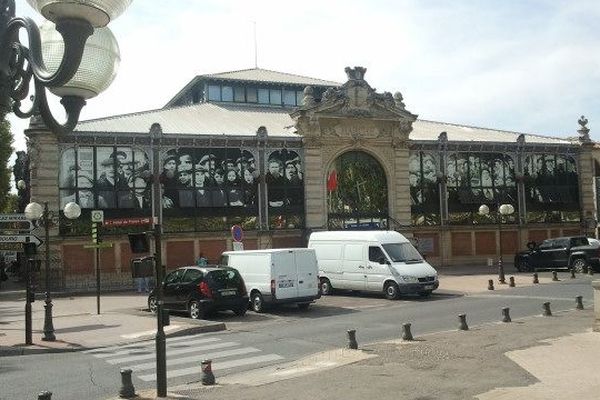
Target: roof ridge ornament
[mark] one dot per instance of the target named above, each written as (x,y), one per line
(356,73)
(584,131)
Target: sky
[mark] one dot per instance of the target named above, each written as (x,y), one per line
(530,66)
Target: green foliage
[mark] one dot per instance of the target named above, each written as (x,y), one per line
(11,204)
(6,150)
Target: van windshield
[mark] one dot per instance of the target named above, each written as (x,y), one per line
(402,252)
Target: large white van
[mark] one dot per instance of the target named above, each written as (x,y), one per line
(277,276)
(371,261)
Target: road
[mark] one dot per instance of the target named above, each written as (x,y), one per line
(282,335)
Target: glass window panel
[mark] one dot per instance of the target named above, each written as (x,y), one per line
(239,94)
(299,97)
(85,171)
(68,171)
(252,95)
(226,93)
(289,97)
(263,96)
(275,96)
(214,92)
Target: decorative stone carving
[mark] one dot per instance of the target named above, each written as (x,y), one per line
(398,99)
(584,131)
(309,97)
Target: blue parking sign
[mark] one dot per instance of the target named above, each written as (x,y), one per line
(237,233)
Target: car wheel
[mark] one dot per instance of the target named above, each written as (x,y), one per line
(240,311)
(152,306)
(580,265)
(391,291)
(326,288)
(303,306)
(195,310)
(258,304)
(523,266)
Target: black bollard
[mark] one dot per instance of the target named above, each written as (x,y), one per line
(579,302)
(511,281)
(127,390)
(506,314)
(554,276)
(462,318)
(547,312)
(590,270)
(45,395)
(208,378)
(535,278)
(490,284)
(352,344)
(572,273)
(406,334)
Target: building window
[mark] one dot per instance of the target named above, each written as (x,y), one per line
(285,189)
(551,188)
(214,93)
(275,96)
(289,97)
(263,96)
(299,97)
(226,93)
(424,189)
(251,95)
(239,96)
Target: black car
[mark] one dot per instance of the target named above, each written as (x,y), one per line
(202,290)
(577,252)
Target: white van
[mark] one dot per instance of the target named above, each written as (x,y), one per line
(371,261)
(277,276)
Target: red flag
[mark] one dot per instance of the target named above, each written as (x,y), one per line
(332,181)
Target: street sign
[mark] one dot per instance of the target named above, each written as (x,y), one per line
(128,221)
(15,222)
(237,233)
(97,216)
(18,247)
(238,246)
(103,245)
(21,239)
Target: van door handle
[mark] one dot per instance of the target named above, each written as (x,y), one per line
(360,266)
(369,267)
(300,281)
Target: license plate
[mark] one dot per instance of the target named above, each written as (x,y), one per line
(228,292)
(285,284)
(428,287)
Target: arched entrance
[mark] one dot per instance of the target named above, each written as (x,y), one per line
(357,193)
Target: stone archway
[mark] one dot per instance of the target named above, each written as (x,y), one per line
(357,192)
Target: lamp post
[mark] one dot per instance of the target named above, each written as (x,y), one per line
(502,211)
(35,212)
(73,54)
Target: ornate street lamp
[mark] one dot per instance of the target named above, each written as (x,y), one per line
(502,211)
(59,57)
(35,212)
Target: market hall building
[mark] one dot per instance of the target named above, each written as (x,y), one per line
(283,155)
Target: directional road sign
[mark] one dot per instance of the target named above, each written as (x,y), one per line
(21,239)
(97,216)
(15,222)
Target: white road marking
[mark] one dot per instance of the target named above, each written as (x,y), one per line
(152,355)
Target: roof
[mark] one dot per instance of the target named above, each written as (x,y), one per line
(199,119)
(430,130)
(258,75)
(244,120)
(376,236)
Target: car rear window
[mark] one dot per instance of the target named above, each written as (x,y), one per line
(223,278)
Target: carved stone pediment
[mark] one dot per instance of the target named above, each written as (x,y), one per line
(354,111)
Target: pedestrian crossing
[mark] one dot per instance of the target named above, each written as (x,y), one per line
(184,356)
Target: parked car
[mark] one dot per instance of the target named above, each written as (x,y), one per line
(277,276)
(202,290)
(577,252)
(376,261)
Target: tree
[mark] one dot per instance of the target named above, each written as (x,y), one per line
(6,150)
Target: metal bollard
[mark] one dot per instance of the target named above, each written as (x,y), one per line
(535,278)
(127,390)
(352,344)
(572,273)
(579,302)
(490,284)
(462,318)
(208,378)
(547,311)
(554,276)
(506,314)
(511,281)
(406,333)
(45,395)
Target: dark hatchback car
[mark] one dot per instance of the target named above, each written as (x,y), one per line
(202,290)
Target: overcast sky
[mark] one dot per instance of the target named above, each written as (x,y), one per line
(525,66)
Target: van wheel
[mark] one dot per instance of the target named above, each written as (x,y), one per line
(580,265)
(303,306)
(391,291)
(326,288)
(258,304)
(195,310)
